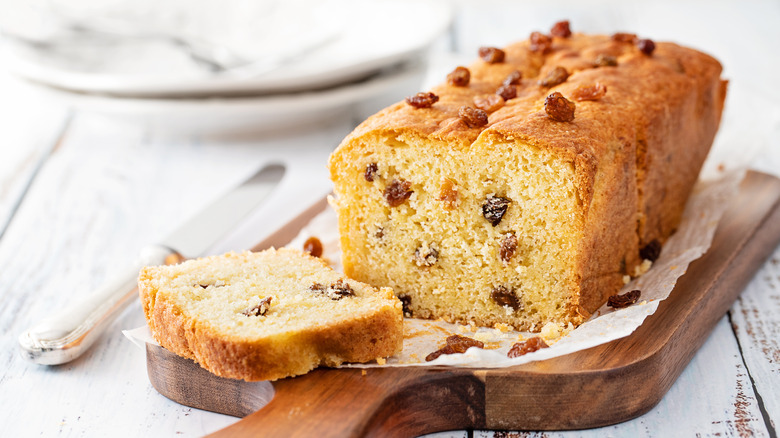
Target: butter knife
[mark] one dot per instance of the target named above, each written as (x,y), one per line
(67,334)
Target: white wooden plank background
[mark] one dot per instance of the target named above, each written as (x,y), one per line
(111,186)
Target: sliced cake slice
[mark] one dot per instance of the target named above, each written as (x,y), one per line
(268,315)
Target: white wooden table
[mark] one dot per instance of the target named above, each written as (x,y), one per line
(81,193)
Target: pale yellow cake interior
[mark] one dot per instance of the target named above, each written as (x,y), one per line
(234,284)
(387,246)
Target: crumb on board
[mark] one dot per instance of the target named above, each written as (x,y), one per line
(381,361)
(552,332)
(642,268)
(470,328)
(503,328)
(483,336)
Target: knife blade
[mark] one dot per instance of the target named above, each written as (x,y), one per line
(65,335)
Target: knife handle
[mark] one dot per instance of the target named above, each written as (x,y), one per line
(67,334)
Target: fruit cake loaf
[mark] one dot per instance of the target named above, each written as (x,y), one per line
(268,315)
(524,189)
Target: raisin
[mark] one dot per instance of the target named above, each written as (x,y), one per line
(448,194)
(507,92)
(625,300)
(561,29)
(370,172)
(494,208)
(589,92)
(513,78)
(318,287)
(335,291)
(342,288)
(646,46)
(218,283)
(459,77)
(508,247)
(491,55)
(313,246)
(556,76)
(605,61)
(474,117)
(455,344)
(258,310)
(489,102)
(540,42)
(397,192)
(463,343)
(527,346)
(437,353)
(422,100)
(426,255)
(406,304)
(505,297)
(624,37)
(379,233)
(559,108)
(651,251)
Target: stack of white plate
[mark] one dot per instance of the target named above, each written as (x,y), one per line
(352,62)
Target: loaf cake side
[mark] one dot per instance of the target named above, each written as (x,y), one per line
(527,220)
(268,315)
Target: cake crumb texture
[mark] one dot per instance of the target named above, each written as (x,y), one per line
(268,315)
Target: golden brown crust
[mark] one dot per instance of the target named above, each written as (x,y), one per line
(358,340)
(636,152)
(362,338)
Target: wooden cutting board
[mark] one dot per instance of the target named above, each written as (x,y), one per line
(603,385)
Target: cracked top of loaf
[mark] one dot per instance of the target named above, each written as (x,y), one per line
(637,85)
